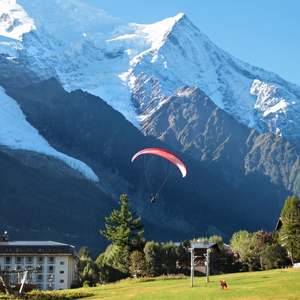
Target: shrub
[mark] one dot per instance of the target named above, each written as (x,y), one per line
(108,268)
(138,266)
(6,297)
(57,295)
(153,257)
(87,269)
(169,258)
(274,256)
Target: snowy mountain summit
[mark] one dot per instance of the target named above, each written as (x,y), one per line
(14,21)
(135,66)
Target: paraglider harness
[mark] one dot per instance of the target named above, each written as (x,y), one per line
(153,198)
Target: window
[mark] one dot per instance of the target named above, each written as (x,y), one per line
(50,269)
(39,277)
(13,278)
(61,281)
(51,260)
(19,260)
(40,268)
(61,272)
(29,260)
(7,260)
(40,260)
(19,268)
(62,263)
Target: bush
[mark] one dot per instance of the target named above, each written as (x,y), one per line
(274,256)
(118,258)
(87,269)
(250,247)
(108,268)
(6,297)
(169,258)
(153,257)
(57,295)
(225,261)
(138,266)
(166,258)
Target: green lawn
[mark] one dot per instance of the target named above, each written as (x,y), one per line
(275,284)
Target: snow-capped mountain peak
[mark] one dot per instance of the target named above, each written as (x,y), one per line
(14,20)
(70,20)
(156,34)
(135,66)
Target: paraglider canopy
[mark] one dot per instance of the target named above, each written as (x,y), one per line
(166,154)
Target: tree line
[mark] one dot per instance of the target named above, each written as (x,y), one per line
(129,254)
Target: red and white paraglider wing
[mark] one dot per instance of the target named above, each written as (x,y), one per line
(165,154)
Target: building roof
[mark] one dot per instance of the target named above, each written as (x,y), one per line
(278,224)
(202,245)
(32,243)
(35,247)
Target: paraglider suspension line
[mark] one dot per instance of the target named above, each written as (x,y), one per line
(163,184)
(146,176)
(167,170)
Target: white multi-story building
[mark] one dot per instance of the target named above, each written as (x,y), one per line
(54,263)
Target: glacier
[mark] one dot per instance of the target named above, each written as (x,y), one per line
(134,67)
(17,133)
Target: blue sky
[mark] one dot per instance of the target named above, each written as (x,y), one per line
(265,33)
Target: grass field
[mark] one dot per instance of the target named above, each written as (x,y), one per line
(275,284)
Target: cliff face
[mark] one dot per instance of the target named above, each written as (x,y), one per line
(190,122)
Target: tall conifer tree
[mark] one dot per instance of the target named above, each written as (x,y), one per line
(289,233)
(123,227)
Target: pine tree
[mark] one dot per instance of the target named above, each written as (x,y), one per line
(289,234)
(123,228)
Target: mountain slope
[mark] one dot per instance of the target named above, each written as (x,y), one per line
(38,205)
(190,122)
(17,133)
(133,66)
(254,97)
(84,126)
